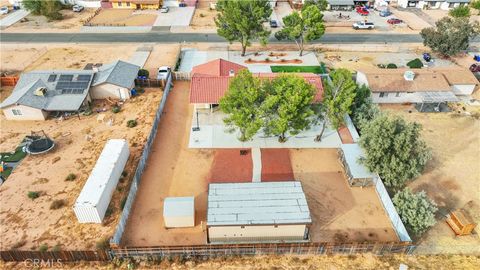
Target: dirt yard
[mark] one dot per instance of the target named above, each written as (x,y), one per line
(203,18)
(339,213)
(451,177)
(123,17)
(71,22)
(27,223)
(172,170)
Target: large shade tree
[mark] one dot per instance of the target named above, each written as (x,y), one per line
(302,27)
(321,4)
(394,149)
(242,105)
(450,35)
(338,96)
(243,21)
(287,107)
(416,210)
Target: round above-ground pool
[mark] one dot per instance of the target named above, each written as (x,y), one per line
(40,146)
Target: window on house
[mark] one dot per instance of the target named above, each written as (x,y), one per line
(451,5)
(383,94)
(398,94)
(119,4)
(16,112)
(128,4)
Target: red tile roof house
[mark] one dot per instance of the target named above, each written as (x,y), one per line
(209,82)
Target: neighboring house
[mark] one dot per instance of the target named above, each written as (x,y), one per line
(40,93)
(257,213)
(340,4)
(433,4)
(137,4)
(433,85)
(209,82)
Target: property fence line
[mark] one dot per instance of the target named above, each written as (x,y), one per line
(149,83)
(87,21)
(377,248)
(181,76)
(117,237)
(351,128)
(54,256)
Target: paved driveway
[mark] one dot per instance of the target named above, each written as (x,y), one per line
(13,18)
(177,16)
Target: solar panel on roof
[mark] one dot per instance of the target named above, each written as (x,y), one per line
(84,78)
(66,78)
(52,78)
(71,85)
(73,91)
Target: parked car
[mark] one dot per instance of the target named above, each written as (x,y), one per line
(385,13)
(475,68)
(363,25)
(77,8)
(362,11)
(273,24)
(394,21)
(163,73)
(164,9)
(4,10)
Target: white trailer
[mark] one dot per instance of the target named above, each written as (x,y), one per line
(93,201)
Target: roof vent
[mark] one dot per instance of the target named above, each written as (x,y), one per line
(231,73)
(409,75)
(41,91)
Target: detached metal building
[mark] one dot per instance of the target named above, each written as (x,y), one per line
(179,212)
(257,212)
(356,173)
(92,203)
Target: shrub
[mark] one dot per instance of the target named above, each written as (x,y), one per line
(391,65)
(132,123)
(33,194)
(144,73)
(43,248)
(103,244)
(475,4)
(71,177)
(122,203)
(381,65)
(415,63)
(56,248)
(124,174)
(460,11)
(416,210)
(202,15)
(116,109)
(57,204)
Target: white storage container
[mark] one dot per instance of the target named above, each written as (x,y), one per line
(179,212)
(92,203)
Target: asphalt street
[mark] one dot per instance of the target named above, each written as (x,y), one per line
(166,37)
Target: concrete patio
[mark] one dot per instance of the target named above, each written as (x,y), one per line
(214,134)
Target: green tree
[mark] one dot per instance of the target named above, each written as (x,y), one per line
(242,105)
(302,27)
(475,4)
(338,96)
(287,106)
(394,149)
(34,6)
(49,9)
(321,4)
(365,113)
(416,210)
(450,35)
(243,21)
(460,11)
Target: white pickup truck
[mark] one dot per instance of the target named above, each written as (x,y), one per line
(363,25)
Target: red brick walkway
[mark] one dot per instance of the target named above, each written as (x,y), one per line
(276,165)
(231,167)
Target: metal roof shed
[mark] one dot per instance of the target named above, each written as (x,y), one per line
(357,174)
(257,212)
(92,203)
(179,212)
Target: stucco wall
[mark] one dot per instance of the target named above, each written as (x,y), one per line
(466,89)
(124,5)
(28,113)
(256,233)
(107,90)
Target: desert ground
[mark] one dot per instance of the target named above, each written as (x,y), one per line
(339,213)
(123,17)
(26,224)
(322,262)
(451,177)
(203,18)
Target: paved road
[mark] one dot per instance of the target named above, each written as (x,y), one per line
(166,37)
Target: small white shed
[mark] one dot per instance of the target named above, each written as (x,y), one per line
(357,174)
(179,212)
(93,201)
